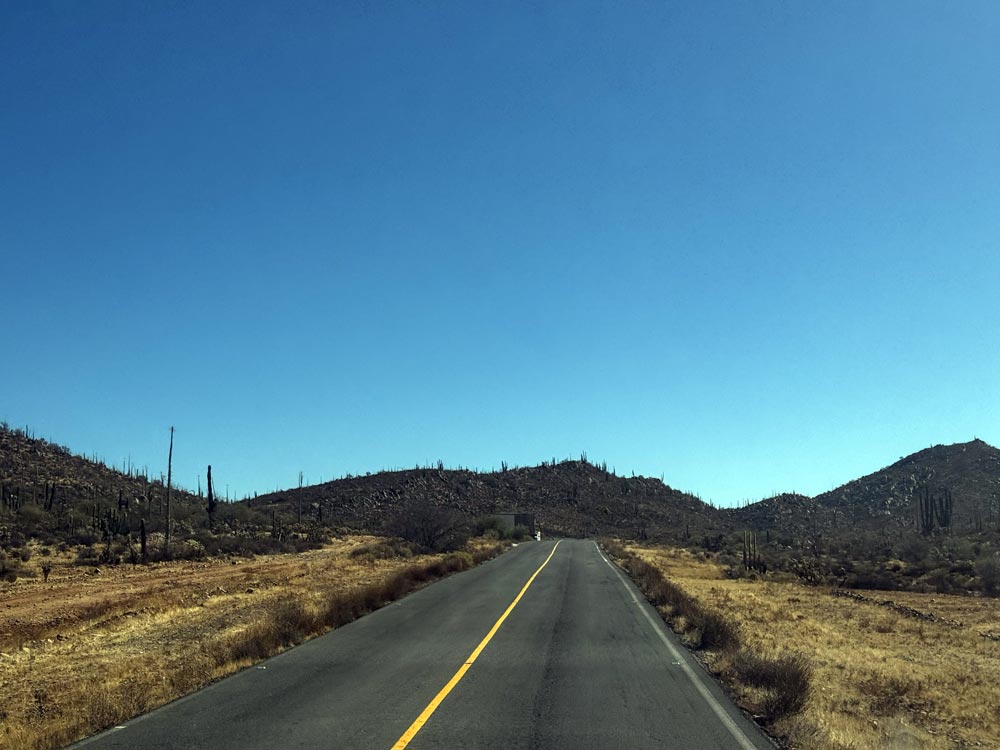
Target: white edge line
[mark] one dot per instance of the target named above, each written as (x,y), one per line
(724,717)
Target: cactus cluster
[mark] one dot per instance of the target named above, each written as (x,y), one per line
(752,559)
(934,509)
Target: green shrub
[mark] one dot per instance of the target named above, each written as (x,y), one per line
(988,570)
(939,579)
(487,524)
(9,567)
(86,556)
(519,533)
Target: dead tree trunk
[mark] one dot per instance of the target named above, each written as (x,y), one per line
(170,463)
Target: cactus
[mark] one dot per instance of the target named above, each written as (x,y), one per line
(943,508)
(751,557)
(934,508)
(926,510)
(212,502)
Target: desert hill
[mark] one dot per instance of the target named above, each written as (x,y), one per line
(51,494)
(572,498)
(789,513)
(971,471)
(37,473)
(47,491)
(887,499)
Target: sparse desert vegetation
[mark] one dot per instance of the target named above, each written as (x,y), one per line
(888,670)
(97,645)
(862,618)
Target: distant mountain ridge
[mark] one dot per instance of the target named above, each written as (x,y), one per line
(571,498)
(577,498)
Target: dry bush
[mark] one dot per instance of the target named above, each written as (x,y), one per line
(110,703)
(887,694)
(712,630)
(256,642)
(786,679)
(613,547)
(702,627)
(487,553)
(430,527)
(292,621)
(384,550)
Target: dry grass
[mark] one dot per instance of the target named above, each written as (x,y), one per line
(87,650)
(881,680)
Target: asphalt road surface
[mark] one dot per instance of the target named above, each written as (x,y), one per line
(579,661)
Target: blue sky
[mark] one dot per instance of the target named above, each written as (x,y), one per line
(751,247)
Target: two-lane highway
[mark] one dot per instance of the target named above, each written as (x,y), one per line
(548,646)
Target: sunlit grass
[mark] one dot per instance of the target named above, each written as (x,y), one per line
(105,647)
(880,679)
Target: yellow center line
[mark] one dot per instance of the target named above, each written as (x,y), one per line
(418,724)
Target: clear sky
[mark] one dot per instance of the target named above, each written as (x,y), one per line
(748,246)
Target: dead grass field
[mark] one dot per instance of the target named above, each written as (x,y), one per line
(881,680)
(90,649)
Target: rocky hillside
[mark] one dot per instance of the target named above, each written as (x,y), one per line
(789,513)
(50,494)
(574,498)
(887,498)
(47,490)
(37,473)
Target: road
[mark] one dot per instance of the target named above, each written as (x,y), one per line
(580,661)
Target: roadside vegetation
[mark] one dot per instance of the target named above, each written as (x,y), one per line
(827,669)
(490,527)
(906,560)
(93,647)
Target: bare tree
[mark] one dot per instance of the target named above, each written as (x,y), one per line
(170,463)
(432,527)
